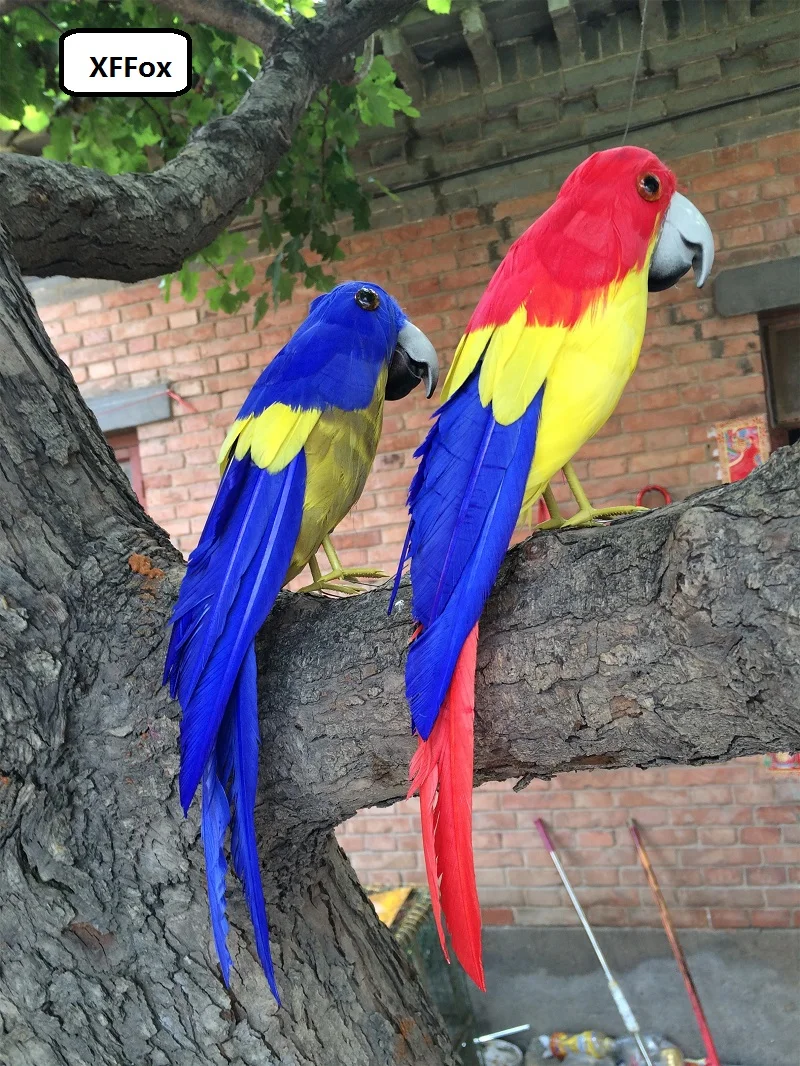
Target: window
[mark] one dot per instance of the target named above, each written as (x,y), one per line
(780,335)
(126,448)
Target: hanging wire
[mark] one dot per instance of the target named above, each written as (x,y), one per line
(635,73)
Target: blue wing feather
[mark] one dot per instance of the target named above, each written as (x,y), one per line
(225,599)
(464,501)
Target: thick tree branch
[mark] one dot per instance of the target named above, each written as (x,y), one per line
(257,24)
(80,222)
(673,637)
(7,6)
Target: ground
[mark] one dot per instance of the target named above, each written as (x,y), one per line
(747,980)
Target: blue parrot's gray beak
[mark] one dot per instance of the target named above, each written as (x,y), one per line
(413,360)
(685,242)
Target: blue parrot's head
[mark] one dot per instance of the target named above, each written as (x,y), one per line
(367,310)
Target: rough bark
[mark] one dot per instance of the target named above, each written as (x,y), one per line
(81,222)
(669,637)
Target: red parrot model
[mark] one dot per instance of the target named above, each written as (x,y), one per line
(542,365)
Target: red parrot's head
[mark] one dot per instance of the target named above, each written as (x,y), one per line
(630,192)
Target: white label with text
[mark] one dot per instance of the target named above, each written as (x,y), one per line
(125,62)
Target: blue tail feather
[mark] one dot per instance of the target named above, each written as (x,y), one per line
(238,745)
(215,818)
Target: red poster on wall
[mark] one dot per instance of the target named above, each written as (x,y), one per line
(743,445)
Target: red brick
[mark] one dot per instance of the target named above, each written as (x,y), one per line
(497,916)
(771,919)
(782,897)
(717,836)
(724,875)
(741,175)
(92,320)
(733,856)
(766,875)
(778,815)
(729,918)
(138,328)
(759,835)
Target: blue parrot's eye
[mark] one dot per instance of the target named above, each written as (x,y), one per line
(368,299)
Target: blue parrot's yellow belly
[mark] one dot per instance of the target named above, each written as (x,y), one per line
(586,379)
(340,451)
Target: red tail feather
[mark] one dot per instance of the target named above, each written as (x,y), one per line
(441,771)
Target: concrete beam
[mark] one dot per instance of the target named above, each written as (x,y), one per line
(565,22)
(406,65)
(480,42)
(761,287)
(655,28)
(738,11)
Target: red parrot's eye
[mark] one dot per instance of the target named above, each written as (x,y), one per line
(648,186)
(368,299)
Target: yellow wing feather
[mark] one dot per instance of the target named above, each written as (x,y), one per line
(585,368)
(587,378)
(470,348)
(272,438)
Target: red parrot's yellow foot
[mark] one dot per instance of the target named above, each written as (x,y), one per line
(587,515)
(593,516)
(336,580)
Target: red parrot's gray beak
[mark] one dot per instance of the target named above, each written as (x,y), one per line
(413,360)
(685,241)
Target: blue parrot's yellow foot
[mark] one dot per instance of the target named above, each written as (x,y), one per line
(593,516)
(551,523)
(556,519)
(336,581)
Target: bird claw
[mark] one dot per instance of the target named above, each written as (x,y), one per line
(551,523)
(593,516)
(336,581)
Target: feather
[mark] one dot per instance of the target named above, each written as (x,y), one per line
(233,588)
(238,746)
(464,501)
(214,821)
(441,771)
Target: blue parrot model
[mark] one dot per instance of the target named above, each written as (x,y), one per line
(294,463)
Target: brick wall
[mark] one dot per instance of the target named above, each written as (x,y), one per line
(726,835)
(724,840)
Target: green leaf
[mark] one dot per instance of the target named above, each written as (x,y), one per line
(439,7)
(190,282)
(35,119)
(243,273)
(298,208)
(260,309)
(60,139)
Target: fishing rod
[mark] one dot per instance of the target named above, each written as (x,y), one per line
(712,1058)
(627,1015)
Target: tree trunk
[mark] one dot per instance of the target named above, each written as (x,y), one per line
(669,637)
